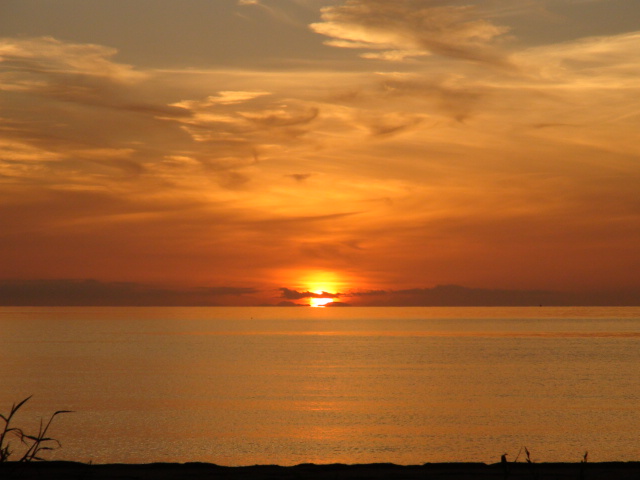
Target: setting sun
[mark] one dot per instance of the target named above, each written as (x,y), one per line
(320,302)
(324,283)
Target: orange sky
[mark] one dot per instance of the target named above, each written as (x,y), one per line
(236,148)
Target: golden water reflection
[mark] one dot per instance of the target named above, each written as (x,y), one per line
(326,387)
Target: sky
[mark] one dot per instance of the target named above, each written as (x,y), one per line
(262,152)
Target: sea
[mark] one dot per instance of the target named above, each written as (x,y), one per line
(278,385)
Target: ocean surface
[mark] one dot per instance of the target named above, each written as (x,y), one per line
(244,386)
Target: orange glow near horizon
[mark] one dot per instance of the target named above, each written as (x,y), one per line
(320,282)
(323,281)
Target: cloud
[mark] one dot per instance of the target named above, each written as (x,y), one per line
(297,295)
(279,10)
(367,293)
(49,56)
(456,295)
(289,303)
(392,123)
(337,304)
(110,121)
(89,292)
(283,117)
(244,118)
(304,220)
(77,73)
(229,97)
(593,62)
(217,291)
(299,177)
(20,153)
(408,28)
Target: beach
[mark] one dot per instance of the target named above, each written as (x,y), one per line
(431,471)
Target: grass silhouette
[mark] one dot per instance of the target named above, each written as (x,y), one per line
(534,469)
(34,445)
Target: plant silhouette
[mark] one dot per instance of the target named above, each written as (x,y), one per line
(34,444)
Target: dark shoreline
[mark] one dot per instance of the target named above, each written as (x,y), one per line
(430,471)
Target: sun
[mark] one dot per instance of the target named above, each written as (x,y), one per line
(322,283)
(320,287)
(320,302)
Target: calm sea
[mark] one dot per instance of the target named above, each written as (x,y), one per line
(241,386)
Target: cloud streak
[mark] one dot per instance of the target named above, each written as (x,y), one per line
(456,295)
(89,292)
(297,295)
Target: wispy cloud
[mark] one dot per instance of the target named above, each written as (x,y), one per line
(409,28)
(50,56)
(75,73)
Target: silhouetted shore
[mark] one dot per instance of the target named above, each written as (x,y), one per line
(430,471)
